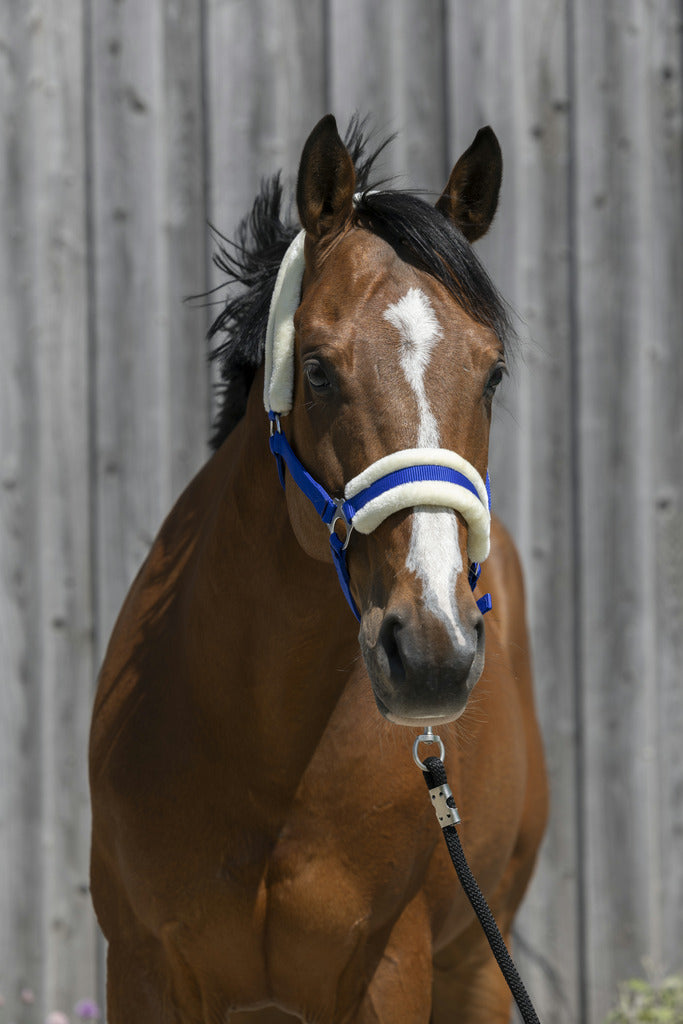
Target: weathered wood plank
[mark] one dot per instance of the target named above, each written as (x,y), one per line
(628,163)
(386,60)
(184,238)
(20,945)
(266,90)
(661,335)
(48,926)
(148,216)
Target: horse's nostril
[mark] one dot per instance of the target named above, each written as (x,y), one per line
(418,653)
(464,658)
(389,642)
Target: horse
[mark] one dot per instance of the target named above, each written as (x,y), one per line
(263,848)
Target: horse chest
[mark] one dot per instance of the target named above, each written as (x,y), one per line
(325,908)
(320,886)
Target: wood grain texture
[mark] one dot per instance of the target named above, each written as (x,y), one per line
(627,147)
(266,89)
(149,253)
(387,58)
(47,934)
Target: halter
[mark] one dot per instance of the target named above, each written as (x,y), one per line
(405,479)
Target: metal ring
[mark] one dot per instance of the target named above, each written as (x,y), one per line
(340,516)
(428,737)
(275,423)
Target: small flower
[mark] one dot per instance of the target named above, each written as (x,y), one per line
(27,997)
(57,1018)
(87,1009)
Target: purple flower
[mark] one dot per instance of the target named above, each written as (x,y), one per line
(87,1009)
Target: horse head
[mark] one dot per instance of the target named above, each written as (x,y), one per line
(396,350)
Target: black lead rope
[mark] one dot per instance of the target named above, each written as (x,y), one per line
(446,811)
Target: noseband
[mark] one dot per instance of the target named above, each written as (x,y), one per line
(405,479)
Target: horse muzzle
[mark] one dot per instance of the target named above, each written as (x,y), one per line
(422,669)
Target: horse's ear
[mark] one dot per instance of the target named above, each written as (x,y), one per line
(326,182)
(471,195)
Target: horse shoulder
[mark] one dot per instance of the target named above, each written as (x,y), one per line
(141,732)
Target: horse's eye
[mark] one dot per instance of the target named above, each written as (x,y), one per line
(494,380)
(315,375)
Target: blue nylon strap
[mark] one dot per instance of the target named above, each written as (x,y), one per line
(322,502)
(317,495)
(484,604)
(326,507)
(408,475)
(339,559)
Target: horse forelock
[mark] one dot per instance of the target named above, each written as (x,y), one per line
(419,232)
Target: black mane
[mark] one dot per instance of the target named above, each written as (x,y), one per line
(414,227)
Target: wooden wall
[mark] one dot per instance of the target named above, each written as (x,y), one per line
(126,126)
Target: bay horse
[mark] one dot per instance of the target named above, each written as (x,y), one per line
(263,847)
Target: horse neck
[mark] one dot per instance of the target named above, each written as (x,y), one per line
(276,633)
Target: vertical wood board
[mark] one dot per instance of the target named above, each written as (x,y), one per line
(618,71)
(386,60)
(48,935)
(149,251)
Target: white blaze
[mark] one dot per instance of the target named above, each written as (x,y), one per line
(414,319)
(434,553)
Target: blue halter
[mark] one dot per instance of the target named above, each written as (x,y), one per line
(333,510)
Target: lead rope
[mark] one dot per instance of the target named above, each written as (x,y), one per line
(447,815)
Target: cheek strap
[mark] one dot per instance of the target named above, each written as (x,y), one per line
(405,479)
